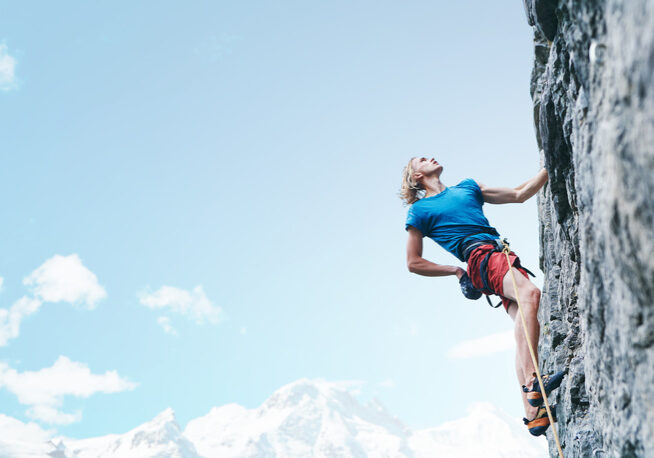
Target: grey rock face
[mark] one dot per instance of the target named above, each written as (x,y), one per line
(593,92)
(542,14)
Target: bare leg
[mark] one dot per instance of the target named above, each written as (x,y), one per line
(529,299)
(523,364)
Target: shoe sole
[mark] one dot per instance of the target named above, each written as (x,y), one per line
(539,426)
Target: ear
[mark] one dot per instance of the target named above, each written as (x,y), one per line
(417,176)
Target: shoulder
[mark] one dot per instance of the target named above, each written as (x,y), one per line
(473,188)
(416,208)
(469,183)
(419,210)
(415,217)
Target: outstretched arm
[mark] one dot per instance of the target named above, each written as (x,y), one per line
(419,265)
(514,195)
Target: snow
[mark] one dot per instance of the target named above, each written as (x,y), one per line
(486,431)
(307,418)
(160,437)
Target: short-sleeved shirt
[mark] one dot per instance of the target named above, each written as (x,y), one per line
(452,216)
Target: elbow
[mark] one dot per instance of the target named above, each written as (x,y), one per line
(520,197)
(412,265)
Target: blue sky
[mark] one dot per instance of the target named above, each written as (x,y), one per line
(254,150)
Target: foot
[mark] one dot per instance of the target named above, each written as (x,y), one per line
(531,412)
(539,424)
(534,394)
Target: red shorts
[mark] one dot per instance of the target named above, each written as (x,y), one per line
(497,269)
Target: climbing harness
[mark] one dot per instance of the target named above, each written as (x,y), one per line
(483,269)
(498,247)
(506,250)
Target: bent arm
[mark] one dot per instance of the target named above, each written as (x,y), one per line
(514,195)
(419,265)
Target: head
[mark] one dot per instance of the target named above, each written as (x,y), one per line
(414,175)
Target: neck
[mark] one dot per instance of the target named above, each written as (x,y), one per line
(433,186)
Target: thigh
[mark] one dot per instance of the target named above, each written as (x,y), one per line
(525,286)
(512,309)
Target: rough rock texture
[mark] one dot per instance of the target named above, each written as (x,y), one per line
(593,92)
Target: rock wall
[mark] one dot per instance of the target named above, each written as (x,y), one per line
(593,92)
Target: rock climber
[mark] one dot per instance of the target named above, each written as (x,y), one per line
(452,216)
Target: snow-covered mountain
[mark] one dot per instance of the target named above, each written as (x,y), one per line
(160,437)
(307,418)
(486,431)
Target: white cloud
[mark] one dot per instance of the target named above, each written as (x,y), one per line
(2,281)
(388,383)
(51,415)
(483,346)
(12,429)
(18,439)
(194,304)
(60,278)
(168,328)
(65,279)
(7,70)
(44,390)
(10,319)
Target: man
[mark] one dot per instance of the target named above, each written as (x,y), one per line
(453,218)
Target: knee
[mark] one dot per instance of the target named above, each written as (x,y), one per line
(532,300)
(534,296)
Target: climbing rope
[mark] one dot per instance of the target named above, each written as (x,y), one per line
(506,251)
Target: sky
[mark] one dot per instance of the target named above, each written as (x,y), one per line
(200,204)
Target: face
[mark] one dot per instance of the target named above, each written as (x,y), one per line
(423,166)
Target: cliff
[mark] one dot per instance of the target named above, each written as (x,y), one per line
(593,92)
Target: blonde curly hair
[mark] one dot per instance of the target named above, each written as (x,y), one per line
(411,190)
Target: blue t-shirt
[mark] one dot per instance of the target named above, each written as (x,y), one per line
(452,216)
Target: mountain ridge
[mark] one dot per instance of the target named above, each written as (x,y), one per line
(306,418)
